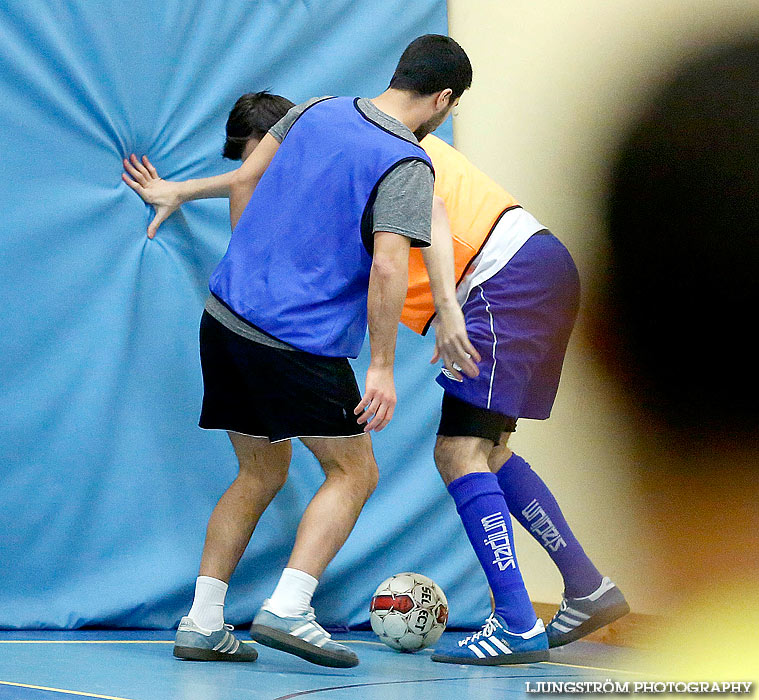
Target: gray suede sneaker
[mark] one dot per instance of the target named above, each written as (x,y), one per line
(196,644)
(301,635)
(577,617)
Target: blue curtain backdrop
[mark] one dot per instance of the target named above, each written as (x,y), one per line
(107,483)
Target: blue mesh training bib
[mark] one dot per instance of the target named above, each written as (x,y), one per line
(298,261)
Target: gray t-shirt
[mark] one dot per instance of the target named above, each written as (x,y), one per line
(404,197)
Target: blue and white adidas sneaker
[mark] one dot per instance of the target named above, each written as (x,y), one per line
(196,644)
(494,645)
(301,635)
(577,617)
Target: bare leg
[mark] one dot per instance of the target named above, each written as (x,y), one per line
(457,456)
(500,453)
(263,472)
(351,476)
(463,464)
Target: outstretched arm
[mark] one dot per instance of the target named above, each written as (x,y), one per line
(388,281)
(451,341)
(167,196)
(246,177)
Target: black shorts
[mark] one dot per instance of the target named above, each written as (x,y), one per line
(267,392)
(462,419)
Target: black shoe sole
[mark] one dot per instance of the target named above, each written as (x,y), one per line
(195,654)
(526,657)
(601,619)
(276,639)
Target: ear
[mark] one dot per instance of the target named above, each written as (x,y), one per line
(250,146)
(444,99)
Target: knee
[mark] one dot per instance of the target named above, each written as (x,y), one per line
(500,454)
(371,480)
(277,479)
(365,476)
(498,457)
(359,477)
(447,460)
(270,480)
(267,475)
(443,454)
(263,465)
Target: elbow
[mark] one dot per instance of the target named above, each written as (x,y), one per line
(242,182)
(388,267)
(236,187)
(390,257)
(438,208)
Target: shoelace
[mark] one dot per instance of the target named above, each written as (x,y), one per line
(233,649)
(562,607)
(487,629)
(311,617)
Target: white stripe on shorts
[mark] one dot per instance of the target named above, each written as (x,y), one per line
(495,345)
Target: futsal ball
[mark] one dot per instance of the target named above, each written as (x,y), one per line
(408,612)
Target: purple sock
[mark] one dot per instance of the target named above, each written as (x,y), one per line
(482,508)
(534,506)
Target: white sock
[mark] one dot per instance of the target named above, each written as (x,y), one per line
(606,585)
(293,593)
(207,609)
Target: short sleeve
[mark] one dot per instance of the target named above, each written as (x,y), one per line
(404,203)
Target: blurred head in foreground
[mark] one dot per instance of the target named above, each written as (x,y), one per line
(677,331)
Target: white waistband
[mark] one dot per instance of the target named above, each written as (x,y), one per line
(508,236)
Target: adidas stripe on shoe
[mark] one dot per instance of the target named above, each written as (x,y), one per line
(196,644)
(577,617)
(494,645)
(303,636)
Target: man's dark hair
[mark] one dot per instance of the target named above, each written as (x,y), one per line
(252,117)
(433,63)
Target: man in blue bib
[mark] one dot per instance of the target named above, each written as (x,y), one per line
(323,214)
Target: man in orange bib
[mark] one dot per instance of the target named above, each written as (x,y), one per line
(518,289)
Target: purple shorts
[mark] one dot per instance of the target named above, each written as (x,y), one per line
(520,321)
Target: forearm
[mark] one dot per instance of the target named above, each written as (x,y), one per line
(452,344)
(217,186)
(166,196)
(439,261)
(388,283)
